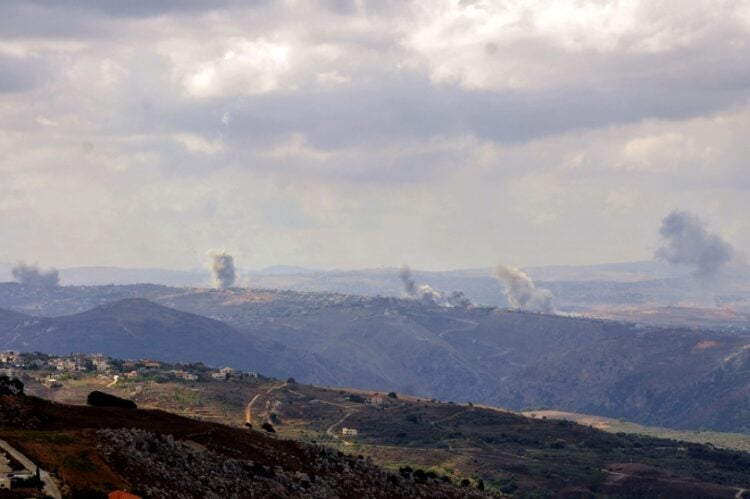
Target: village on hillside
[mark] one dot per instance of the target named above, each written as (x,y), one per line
(52,370)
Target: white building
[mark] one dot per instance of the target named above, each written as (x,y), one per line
(349,432)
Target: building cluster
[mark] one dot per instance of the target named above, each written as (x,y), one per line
(50,370)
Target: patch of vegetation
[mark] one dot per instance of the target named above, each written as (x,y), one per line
(49,437)
(268,427)
(101,399)
(80,462)
(10,386)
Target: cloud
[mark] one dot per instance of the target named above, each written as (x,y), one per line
(399,130)
(18,74)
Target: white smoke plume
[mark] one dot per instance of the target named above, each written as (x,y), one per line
(32,275)
(687,242)
(427,294)
(222,269)
(521,292)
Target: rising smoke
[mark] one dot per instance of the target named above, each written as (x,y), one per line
(222,269)
(687,242)
(32,275)
(427,294)
(410,287)
(521,292)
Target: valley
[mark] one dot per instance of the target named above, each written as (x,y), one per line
(671,376)
(506,452)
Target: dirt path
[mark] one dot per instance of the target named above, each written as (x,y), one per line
(334,425)
(50,488)
(455,414)
(248,410)
(470,325)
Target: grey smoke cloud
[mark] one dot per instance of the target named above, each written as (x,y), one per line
(427,294)
(32,275)
(222,269)
(522,293)
(410,287)
(687,242)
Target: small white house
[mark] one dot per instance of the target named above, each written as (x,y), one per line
(349,432)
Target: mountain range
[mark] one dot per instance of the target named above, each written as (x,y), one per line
(664,376)
(575,288)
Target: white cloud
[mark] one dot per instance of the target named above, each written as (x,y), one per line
(440,133)
(196,143)
(244,67)
(296,147)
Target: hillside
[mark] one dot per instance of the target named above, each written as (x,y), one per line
(134,328)
(672,377)
(161,455)
(508,452)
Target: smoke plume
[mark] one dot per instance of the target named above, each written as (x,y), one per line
(521,292)
(31,275)
(222,269)
(410,287)
(427,294)
(687,242)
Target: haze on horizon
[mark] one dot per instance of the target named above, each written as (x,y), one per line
(329,134)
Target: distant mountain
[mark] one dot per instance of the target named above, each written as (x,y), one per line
(9,320)
(132,328)
(283,270)
(575,288)
(115,275)
(673,377)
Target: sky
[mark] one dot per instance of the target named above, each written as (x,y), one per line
(350,134)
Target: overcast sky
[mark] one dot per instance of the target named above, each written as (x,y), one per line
(337,134)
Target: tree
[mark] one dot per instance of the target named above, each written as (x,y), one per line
(10,386)
(101,399)
(267,426)
(392,395)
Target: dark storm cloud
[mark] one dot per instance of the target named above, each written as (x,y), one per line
(382,104)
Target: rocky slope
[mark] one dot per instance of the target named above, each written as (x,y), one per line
(161,455)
